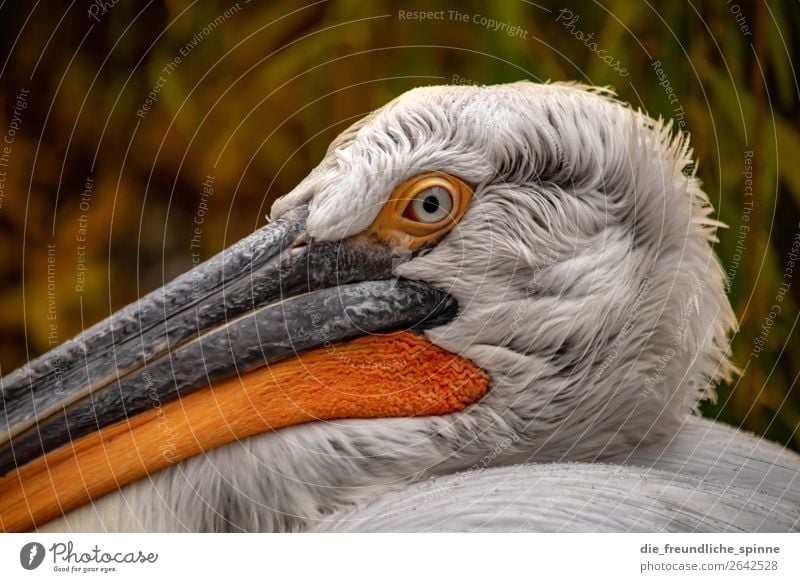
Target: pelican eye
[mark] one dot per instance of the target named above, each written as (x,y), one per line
(421,210)
(431,205)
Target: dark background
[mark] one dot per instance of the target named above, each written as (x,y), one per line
(258,96)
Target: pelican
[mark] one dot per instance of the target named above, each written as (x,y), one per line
(487,309)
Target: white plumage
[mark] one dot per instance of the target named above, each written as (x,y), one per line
(709,478)
(588,290)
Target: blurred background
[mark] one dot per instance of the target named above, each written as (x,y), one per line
(114,117)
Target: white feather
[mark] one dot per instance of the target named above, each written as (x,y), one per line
(708,478)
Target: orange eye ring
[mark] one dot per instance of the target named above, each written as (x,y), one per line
(399,223)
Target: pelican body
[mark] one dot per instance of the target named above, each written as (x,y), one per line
(487,308)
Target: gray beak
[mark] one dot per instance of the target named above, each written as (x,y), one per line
(266,298)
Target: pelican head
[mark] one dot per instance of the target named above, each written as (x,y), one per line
(551,248)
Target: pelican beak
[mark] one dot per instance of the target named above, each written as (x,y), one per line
(276,330)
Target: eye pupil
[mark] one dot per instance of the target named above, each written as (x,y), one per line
(431,204)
